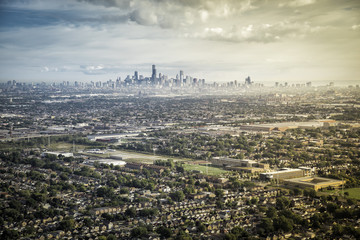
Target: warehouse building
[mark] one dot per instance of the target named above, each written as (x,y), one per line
(315,183)
(286,173)
(232,162)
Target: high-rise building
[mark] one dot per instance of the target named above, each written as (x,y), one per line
(248,81)
(153,75)
(136,75)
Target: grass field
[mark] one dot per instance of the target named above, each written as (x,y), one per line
(353,193)
(66,147)
(205,170)
(128,156)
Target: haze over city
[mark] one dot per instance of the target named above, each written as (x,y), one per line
(179,120)
(293,41)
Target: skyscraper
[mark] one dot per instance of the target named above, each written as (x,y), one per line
(136,76)
(248,81)
(153,75)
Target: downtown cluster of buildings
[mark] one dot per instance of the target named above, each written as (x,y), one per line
(156,80)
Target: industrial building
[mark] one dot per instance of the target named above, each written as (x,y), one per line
(111,161)
(232,162)
(315,183)
(141,166)
(57,154)
(286,173)
(242,165)
(117,136)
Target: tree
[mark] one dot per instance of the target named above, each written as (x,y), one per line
(239,232)
(9,234)
(177,196)
(271,212)
(146,212)
(124,191)
(338,230)
(219,204)
(88,222)
(297,191)
(188,190)
(309,193)
(282,202)
(236,184)
(182,236)
(180,169)
(105,192)
(201,227)
(265,227)
(219,193)
(111,237)
(284,224)
(331,207)
(230,236)
(164,232)
(131,212)
(139,232)
(254,200)
(67,224)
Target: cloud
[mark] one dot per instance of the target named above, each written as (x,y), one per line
(258,33)
(297,3)
(99,69)
(177,13)
(100,39)
(200,19)
(144,17)
(93,69)
(56,69)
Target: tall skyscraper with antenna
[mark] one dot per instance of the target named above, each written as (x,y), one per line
(153,75)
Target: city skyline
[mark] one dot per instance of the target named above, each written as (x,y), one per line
(220,41)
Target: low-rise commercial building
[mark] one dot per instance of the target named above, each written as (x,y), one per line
(232,162)
(315,183)
(286,173)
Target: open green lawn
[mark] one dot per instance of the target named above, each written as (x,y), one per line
(128,156)
(205,170)
(66,147)
(353,192)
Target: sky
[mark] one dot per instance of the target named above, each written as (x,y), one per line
(219,40)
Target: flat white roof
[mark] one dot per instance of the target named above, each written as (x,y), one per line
(282,171)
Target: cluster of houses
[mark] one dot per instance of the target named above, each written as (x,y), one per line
(200,207)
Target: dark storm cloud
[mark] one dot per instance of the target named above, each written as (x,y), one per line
(220,20)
